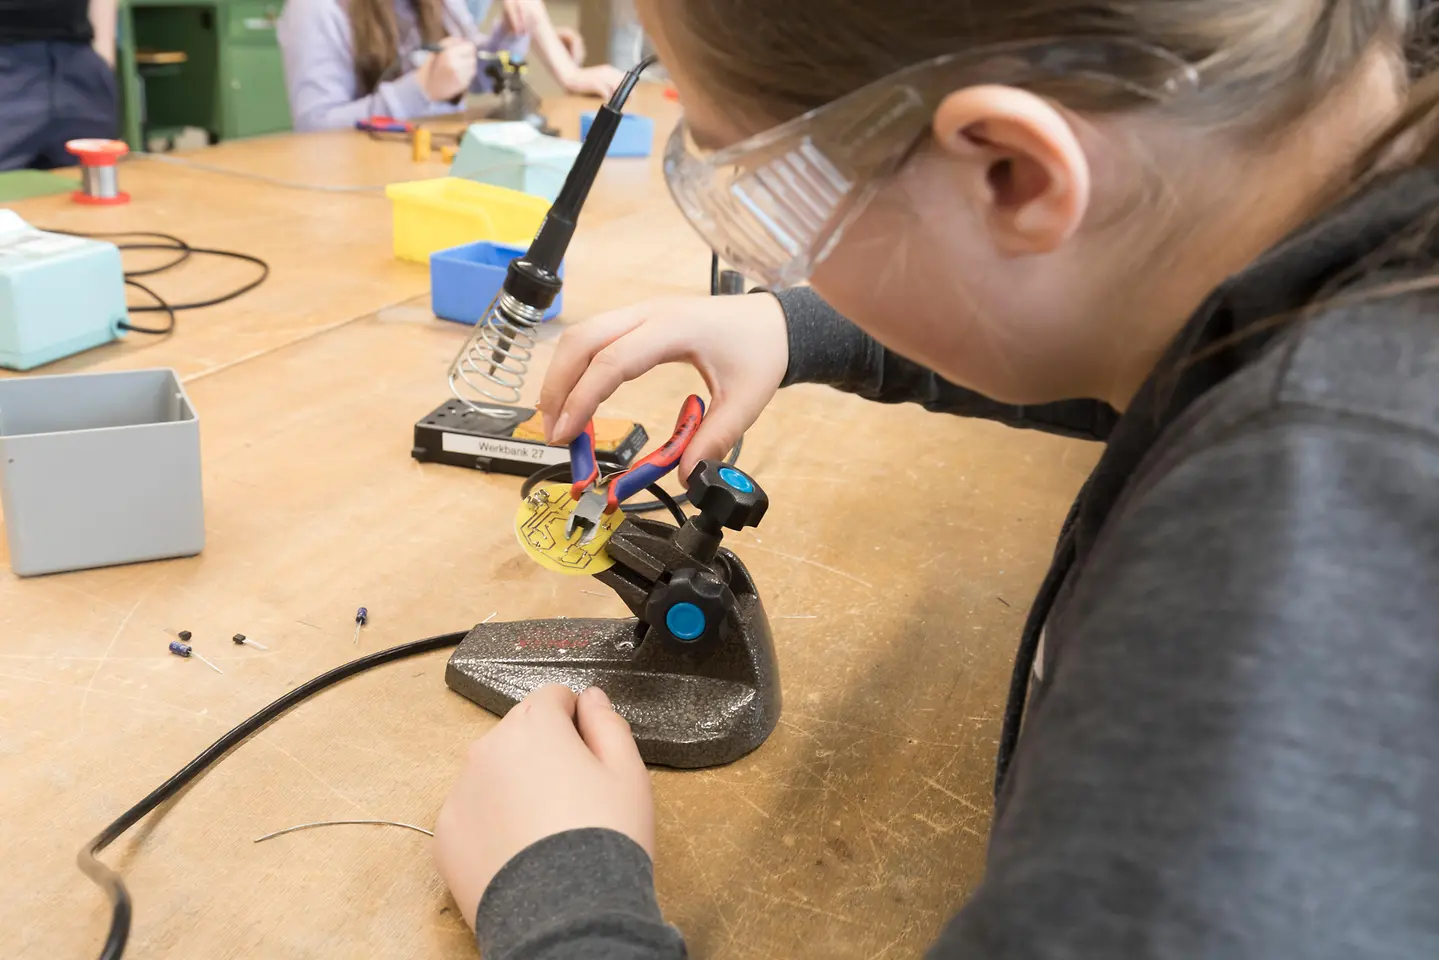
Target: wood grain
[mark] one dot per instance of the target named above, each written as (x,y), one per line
(897,562)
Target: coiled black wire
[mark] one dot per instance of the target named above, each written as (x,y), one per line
(184,252)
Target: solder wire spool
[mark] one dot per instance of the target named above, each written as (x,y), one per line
(100,179)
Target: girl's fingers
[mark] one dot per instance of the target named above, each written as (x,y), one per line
(623,360)
(550,701)
(606,733)
(577,348)
(724,424)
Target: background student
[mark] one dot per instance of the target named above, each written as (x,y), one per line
(347,60)
(57,81)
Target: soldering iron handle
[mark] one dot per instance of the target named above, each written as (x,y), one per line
(547,250)
(584,465)
(551,243)
(658,465)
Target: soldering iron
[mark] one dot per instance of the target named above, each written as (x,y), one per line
(533,281)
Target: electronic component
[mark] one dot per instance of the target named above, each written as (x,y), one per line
(242,640)
(362,617)
(186,651)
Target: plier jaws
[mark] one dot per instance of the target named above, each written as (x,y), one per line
(588,516)
(599,498)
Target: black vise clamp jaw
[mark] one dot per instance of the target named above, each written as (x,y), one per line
(694,672)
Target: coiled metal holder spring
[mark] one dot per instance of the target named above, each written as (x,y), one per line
(494,363)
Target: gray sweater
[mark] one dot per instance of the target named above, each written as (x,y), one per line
(1234,752)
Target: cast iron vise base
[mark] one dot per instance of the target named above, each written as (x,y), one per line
(698,702)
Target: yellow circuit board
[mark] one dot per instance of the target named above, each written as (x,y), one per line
(540,528)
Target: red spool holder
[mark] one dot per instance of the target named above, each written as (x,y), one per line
(96,154)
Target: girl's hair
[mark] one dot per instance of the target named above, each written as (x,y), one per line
(377,52)
(1262,63)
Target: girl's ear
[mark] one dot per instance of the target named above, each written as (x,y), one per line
(1024,167)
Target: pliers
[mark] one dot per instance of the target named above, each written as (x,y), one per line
(599,498)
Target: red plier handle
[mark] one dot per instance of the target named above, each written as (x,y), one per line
(656,466)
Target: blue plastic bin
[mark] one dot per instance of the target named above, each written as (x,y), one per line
(634,138)
(464,280)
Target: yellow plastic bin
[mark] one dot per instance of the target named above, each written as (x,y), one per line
(435,215)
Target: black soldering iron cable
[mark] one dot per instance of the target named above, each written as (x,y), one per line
(627,85)
(88,860)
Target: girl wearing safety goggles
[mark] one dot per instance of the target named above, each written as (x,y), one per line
(1201,231)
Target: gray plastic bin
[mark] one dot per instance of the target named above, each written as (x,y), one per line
(99,469)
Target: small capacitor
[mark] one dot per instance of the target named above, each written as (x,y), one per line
(185,650)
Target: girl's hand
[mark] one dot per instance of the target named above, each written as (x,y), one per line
(593,81)
(739,344)
(574,44)
(518,15)
(448,73)
(556,762)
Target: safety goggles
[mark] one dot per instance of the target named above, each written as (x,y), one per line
(775,205)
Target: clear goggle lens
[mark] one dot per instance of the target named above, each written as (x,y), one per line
(775,205)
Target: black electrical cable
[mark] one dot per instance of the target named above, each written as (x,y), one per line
(185,251)
(108,880)
(172,243)
(214,301)
(627,86)
(165,331)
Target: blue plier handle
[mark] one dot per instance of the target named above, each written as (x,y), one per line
(584,464)
(596,500)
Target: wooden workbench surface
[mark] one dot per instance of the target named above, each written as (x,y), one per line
(897,561)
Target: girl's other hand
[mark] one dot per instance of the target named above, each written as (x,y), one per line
(555,763)
(594,81)
(574,44)
(448,73)
(739,344)
(518,14)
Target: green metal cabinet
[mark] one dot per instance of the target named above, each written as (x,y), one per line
(232,83)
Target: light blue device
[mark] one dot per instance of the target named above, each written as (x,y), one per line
(59,294)
(515,156)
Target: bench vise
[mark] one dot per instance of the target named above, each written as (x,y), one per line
(693,671)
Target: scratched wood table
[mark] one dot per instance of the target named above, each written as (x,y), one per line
(897,561)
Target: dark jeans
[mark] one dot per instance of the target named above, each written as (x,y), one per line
(51,93)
